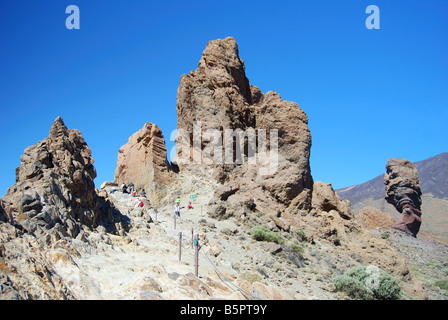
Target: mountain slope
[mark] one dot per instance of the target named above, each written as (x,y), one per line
(433,174)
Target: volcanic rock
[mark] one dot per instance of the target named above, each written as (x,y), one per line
(325,199)
(143,162)
(54,195)
(228,130)
(371,218)
(403,191)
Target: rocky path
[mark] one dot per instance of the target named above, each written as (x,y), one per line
(145,264)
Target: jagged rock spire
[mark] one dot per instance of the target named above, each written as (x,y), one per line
(219,97)
(54,192)
(403,191)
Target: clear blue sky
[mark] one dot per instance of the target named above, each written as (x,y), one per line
(369,94)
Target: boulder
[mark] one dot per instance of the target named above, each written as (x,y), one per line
(326,199)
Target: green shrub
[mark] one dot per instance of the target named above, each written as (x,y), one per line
(367,283)
(442,284)
(296,248)
(264,234)
(300,233)
(353,288)
(385,235)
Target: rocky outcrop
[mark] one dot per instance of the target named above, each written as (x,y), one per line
(403,191)
(325,199)
(54,195)
(371,218)
(230,131)
(53,202)
(143,162)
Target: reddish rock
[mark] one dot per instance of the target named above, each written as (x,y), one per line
(143,162)
(403,191)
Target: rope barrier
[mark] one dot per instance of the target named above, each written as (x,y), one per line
(228,280)
(187,243)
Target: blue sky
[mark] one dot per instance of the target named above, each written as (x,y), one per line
(369,94)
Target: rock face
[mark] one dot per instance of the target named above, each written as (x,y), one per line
(143,162)
(325,199)
(53,202)
(371,218)
(403,191)
(54,195)
(230,131)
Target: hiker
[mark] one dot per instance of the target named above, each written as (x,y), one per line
(189,205)
(131,186)
(178,201)
(177,209)
(143,193)
(136,203)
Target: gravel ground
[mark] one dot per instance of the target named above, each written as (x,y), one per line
(427,259)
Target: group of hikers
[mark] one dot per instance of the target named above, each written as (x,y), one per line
(178,207)
(130,189)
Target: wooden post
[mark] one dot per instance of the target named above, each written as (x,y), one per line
(192,238)
(196,256)
(180,246)
(174,221)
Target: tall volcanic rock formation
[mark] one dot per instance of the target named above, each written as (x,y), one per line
(143,162)
(230,131)
(54,194)
(403,191)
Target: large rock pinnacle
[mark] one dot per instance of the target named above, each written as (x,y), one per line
(230,130)
(403,191)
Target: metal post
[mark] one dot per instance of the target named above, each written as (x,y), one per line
(196,256)
(180,246)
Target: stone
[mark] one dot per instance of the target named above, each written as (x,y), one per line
(217,98)
(403,191)
(143,162)
(271,247)
(371,218)
(326,199)
(54,192)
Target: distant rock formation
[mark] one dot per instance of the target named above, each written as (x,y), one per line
(433,181)
(403,191)
(223,125)
(54,195)
(143,162)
